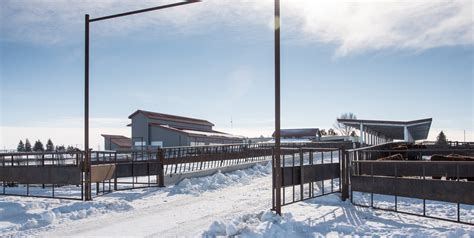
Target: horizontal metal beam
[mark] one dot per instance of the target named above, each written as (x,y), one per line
(41,175)
(311,173)
(143,10)
(418,168)
(429,189)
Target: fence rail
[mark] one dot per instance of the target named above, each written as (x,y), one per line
(307,172)
(445,181)
(107,171)
(44,174)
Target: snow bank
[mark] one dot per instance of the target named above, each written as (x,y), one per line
(329,217)
(31,213)
(26,216)
(196,186)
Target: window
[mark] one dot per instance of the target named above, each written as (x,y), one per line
(193,143)
(157,143)
(139,143)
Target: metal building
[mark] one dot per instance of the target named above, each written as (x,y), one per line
(117,142)
(164,130)
(299,135)
(378,131)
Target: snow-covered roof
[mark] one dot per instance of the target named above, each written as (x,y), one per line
(211,133)
(168,117)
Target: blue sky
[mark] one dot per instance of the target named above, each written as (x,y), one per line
(214,60)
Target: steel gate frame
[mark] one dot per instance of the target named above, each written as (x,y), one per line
(305,173)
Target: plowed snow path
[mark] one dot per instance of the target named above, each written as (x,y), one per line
(178,215)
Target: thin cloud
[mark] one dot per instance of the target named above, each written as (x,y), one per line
(353,27)
(362,26)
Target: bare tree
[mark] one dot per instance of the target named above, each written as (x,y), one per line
(343,129)
(323,132)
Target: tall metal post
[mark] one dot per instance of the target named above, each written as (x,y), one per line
(87,152)
(87,186)
(277,110)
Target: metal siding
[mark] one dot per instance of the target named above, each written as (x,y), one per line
(106,143)
(169,138)
(140,128)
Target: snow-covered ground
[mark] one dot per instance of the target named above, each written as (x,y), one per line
(235,203)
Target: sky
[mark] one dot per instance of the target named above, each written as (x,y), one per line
(214,60)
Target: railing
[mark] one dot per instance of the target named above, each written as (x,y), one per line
(42,174)
(417,178)
(307,173)
(451,144)
(114,170)
(136,169)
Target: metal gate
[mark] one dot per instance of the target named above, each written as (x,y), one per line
(414,182)
(307,173)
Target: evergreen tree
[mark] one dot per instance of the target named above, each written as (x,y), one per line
(70,148)
(60,148)
(21,147)
(441,139)
(27,146)
(49,145)
(38,146)
(331,132)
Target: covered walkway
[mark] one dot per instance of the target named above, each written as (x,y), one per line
(374,132)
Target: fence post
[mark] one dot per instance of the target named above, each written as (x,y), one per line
(87,172)
(161,175)
(115,172)
(344,174)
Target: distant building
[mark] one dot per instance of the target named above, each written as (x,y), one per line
(260,139)
(117,142)
(337,138)
(299,135)
(164,130)
(374,132)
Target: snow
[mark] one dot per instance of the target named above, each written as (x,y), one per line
(196,186)
(234,203)
(205,133)
(328,216)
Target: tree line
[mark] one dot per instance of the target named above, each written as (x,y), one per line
(39,147)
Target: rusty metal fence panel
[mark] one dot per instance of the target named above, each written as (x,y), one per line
(306,173)
(423,179)
(147,168)
(42,174)
(33,174)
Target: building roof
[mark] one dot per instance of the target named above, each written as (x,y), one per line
(301,132)
(119,140)
(197,133)
(419,129)
(168,117)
